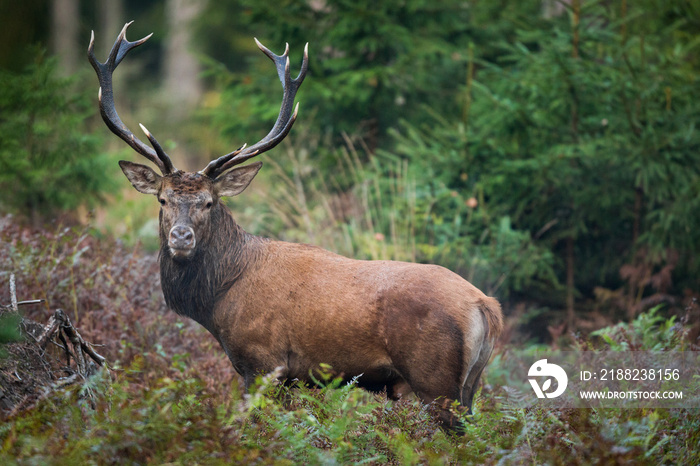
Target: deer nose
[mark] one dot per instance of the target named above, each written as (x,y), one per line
(181,237)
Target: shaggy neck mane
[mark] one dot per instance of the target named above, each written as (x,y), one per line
(192,287)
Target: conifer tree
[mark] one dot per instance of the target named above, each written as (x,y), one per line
(50,161)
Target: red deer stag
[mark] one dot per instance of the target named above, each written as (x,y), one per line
(273,304)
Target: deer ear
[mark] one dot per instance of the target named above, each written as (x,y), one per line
(142,178)
(236,180)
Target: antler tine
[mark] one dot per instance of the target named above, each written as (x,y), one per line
(285,119)
(106,96)
(167,163)
(213,169)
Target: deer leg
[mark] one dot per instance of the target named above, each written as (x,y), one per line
(433,364)
(471,384)
(471,380)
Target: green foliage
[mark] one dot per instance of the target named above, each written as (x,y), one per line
(377,210)
(9,330)
(50,160)
(470,234)
(8,327)
(477,135)
(176,418)
(171,396)
(649,331)
(520,132)
(371,63)
(579,132)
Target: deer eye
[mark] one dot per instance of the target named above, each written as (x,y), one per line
(162,201)
(208,205)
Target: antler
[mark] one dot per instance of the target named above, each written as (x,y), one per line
(106,95)
(285,119)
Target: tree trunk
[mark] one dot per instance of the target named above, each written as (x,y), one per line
(575,20)
(570,313)
(112,19)
(554,8)
(65,20)
(638,198)
(570,241)
(182,84)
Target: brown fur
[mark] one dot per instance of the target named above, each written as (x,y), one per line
(275,304)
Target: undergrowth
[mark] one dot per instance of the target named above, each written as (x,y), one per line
(171,396)
(178,420)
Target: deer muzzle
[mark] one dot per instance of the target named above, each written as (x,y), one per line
(181,241)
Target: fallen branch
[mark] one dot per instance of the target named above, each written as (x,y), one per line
(13,293)
(60,326)
(39,374)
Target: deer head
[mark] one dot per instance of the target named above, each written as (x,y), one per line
(189,200)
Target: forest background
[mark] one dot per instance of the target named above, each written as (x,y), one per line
(545,150)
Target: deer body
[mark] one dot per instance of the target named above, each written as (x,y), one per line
(399,326)
(295,306)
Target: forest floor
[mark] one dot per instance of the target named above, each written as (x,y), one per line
(167,394)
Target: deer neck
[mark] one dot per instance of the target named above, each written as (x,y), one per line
(193,287)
